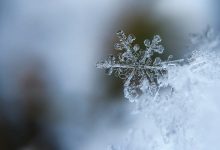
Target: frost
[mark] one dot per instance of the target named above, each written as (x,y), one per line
(138,66)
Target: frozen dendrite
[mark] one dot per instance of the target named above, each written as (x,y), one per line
(173,113)
(138,66)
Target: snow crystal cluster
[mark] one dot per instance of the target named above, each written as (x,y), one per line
(138,67)
(171,95)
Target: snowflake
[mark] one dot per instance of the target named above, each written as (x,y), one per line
(138,66)
(169,94)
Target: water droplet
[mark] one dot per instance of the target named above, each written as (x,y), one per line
(131,38)
(157,61)
(159,49)
(147,43)
(157,39)
(136,47)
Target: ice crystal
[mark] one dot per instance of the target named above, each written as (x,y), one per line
(169,95)
(175,113)
(138,66)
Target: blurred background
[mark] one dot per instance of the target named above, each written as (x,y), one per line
(52,97)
